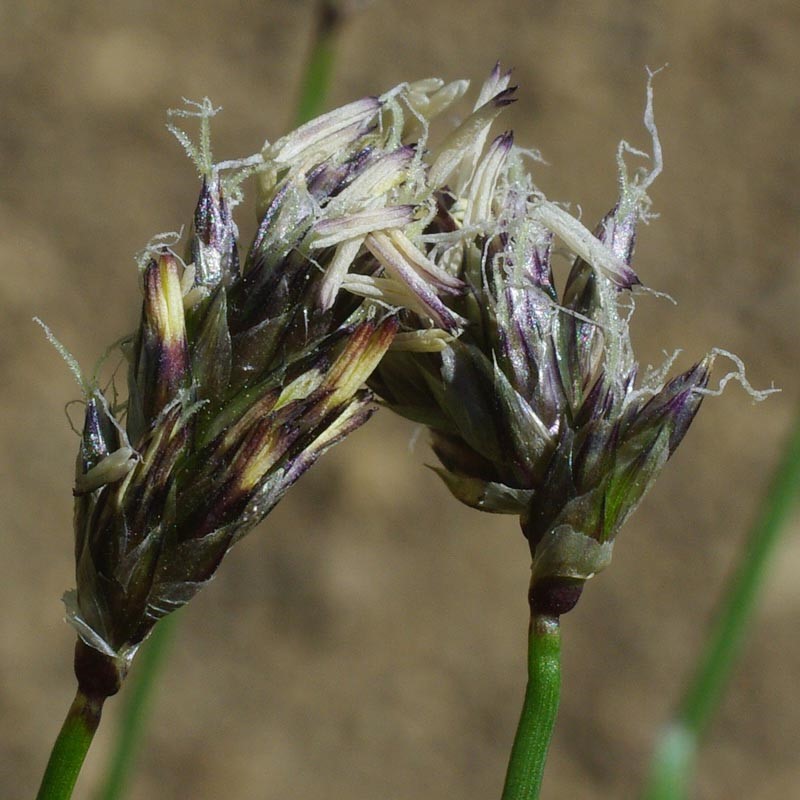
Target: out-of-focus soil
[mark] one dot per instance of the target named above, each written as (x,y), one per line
(368,640)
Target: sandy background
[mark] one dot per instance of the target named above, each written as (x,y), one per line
(368,640)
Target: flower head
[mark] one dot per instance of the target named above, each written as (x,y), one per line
(242,372)
(535,409)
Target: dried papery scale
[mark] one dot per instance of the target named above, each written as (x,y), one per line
(244,370)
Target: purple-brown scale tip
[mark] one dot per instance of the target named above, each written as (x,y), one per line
(505,98)
(213,246)
(676,404)
(165,354)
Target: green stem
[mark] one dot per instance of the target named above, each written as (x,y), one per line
(675,754)
(539,710)
(70,748)
(137,701)
(319,65)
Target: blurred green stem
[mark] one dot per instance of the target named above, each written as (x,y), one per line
(539,710)
(137,701)
(675,754)
(319,65)
(70,748)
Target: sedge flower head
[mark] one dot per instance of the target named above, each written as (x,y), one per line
(538,408)
(245,368)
